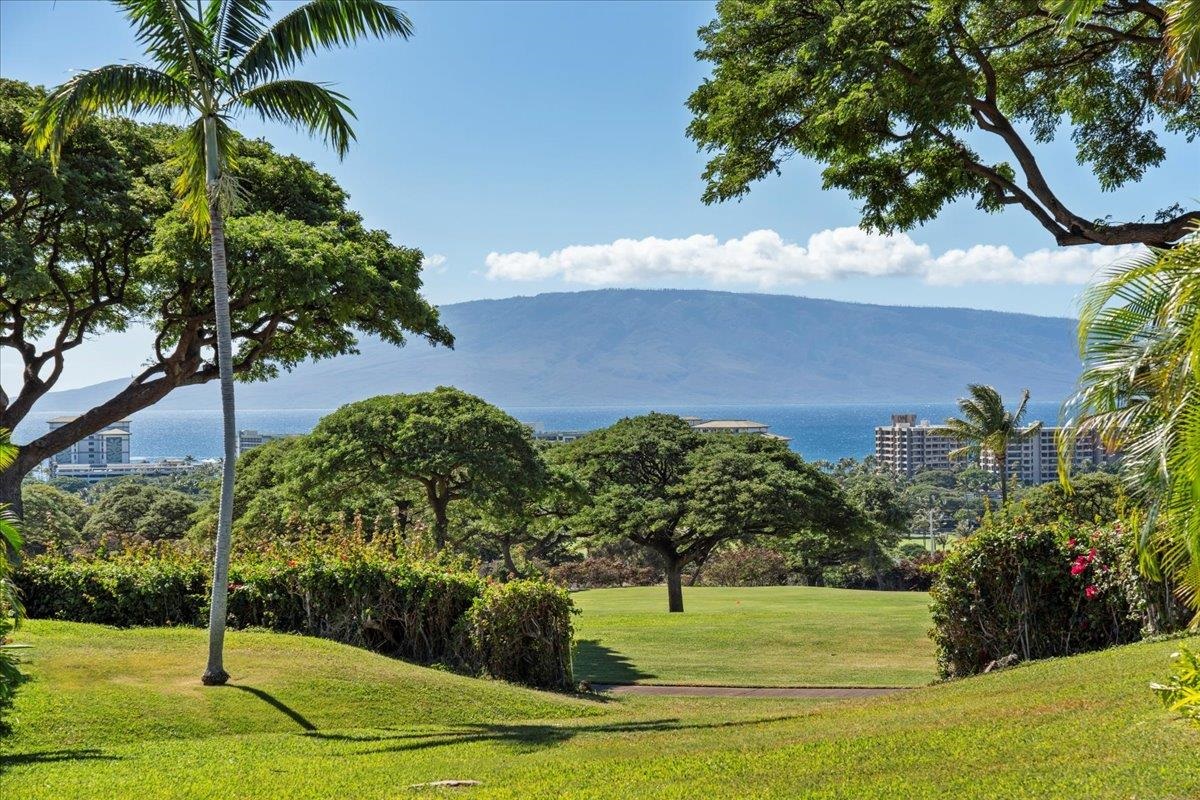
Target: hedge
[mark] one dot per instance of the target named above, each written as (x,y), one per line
(422,612)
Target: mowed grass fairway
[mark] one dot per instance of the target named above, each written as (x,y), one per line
(758,636)
(118,714)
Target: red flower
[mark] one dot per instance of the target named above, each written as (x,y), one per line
(1092,554)
(1077,568)
(1071,542)
(1091,592)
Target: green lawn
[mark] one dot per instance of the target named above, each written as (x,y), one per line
(761,636)
(119,714)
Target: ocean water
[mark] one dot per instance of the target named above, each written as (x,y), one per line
(826,432)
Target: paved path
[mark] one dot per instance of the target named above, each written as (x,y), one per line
(745,691)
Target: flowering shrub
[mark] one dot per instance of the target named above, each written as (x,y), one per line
(1181,694)
(746,566)
(601,572)
(1036,592)
(353,592)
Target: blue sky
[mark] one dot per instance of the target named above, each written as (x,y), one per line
(514,130)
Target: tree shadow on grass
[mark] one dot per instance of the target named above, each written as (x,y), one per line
(9,760)
(524,737)
(277,704)
(599,664)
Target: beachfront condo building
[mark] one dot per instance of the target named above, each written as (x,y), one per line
(250,439)
(108,446)
(908,447)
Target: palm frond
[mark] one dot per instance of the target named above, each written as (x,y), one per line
(126,88)
(316,25)
(234,25)
(171,35)
(1183,47)
(8,450)
(191,186)
(311,106)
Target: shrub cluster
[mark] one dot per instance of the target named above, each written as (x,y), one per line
(1037,592)
(908,574)
(522,630)
(600,572)
(746,566)
(421,611)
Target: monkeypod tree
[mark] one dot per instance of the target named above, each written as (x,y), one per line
(656,482)
(904,103)
(450,445)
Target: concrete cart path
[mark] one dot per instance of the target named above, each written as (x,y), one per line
(748,691)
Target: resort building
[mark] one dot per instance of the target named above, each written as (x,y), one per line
(108,446)
(141,468)
(250,439)
(907,447)
(734,426)
(1035,460)
(558,436)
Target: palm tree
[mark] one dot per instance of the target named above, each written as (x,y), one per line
(1139,335)
(210,65)
(988,428)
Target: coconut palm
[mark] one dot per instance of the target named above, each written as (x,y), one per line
(224,59)
(1139,335)
(987,428)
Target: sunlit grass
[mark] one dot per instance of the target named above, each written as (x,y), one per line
(761,636)
(118,714)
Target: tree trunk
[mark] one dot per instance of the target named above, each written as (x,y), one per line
(10,485)
(509,564)
(1001,462)
(674,570)
(214,673)
(441,524)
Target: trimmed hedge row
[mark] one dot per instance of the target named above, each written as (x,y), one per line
(519,632)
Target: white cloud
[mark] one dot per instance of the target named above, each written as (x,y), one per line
(764,259)
(434,262)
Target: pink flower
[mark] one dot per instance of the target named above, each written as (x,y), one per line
(1091,592)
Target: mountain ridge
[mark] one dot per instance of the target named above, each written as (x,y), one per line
(676,346)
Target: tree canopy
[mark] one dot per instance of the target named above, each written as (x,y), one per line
(656,482)
(905,102)
(100,245)
(448,444)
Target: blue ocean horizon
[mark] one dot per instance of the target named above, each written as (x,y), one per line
(817,432)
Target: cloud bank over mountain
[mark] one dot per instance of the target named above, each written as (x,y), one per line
(763,258)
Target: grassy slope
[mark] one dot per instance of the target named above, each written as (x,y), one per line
(115,714)
(763,636)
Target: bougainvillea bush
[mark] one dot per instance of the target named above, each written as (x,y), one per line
(1036,592)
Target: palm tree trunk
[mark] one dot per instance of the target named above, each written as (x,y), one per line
(214,673)
(1001,462)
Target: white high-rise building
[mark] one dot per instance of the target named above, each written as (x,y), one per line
(108,446)
(908,447)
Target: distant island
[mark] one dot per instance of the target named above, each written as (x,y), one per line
(626,346)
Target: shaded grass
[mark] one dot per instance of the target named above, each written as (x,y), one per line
(1085,726)
(758,636)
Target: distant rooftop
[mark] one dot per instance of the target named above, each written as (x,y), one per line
(724,424)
